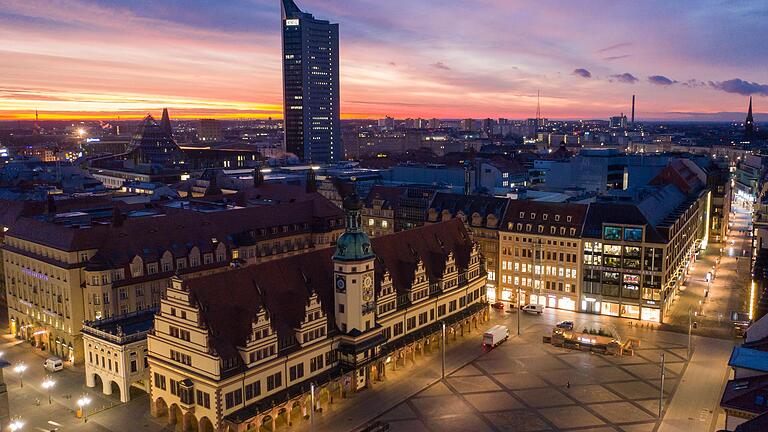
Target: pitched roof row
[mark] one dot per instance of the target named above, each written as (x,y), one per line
(230,300)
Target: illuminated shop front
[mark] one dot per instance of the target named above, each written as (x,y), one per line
(610,308)
(590,305)
(630,311)
(650,314)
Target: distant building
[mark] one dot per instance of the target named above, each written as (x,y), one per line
(468,125)
(310,86)
(209,130)
(749,123)
(618,122)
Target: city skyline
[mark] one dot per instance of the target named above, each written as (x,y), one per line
(84,60)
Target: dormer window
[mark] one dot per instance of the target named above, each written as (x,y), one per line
(533,215)
(557,218)
(522,215)
(545,216)
(568,219)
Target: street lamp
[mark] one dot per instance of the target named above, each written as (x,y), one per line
(48,385)
(442,346)
(16,425)
(519,309)
(19,369)
(661,392)
(83,403)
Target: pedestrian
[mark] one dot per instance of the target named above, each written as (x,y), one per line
(568,384)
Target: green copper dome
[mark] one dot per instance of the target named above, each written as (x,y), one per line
(354,244)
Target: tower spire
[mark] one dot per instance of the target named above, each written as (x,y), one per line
(538,109)
(749,123)
(165,123)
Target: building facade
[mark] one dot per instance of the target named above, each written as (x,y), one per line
(540,260)
(63,269)
(116,353)
(331,321)
(310,86)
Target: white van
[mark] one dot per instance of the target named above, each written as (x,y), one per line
(53,364)
(534,308)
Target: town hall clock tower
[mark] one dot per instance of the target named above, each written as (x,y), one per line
(353,274)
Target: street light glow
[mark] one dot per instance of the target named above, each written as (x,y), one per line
(20,368)
(83,401)
(16,425)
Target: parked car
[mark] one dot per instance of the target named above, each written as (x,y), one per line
(534,308)
(53,364)
(498,305)
(567,325)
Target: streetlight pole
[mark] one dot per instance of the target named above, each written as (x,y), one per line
(48,385)
(83,403)
(312,411)
(442,349)
(519,310)
(690,327)
(661,392)
(19,369)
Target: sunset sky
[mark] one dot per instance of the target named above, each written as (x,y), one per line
(404,58)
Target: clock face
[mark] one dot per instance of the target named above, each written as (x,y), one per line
(367,288)
(341,284)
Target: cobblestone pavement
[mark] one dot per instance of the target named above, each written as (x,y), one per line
(525,385)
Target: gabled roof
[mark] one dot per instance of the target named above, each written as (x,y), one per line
(230,300)
(469,205)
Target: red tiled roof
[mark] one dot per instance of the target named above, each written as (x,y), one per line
(230,300)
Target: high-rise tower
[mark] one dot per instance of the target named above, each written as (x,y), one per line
(310,86)
(749,123)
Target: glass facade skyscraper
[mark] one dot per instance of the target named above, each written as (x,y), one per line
(310,86)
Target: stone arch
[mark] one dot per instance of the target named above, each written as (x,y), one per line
(175,416)
(189,422)
(205,425)
(266,423)
(159,408)
(98,381)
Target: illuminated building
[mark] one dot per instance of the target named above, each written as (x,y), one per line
(310,86)
(295,330)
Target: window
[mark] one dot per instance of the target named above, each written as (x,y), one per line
(612,233)
(233,398)
(398,329)
(181,358)
(296,371)
(274,381)
(633,234)
(133,366)
(203,399)
(316,363)
(159,381)
(252,390)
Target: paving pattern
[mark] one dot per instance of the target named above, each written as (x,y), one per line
(527,386)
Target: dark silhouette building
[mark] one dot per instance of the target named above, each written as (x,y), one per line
(749,123)
(310,86)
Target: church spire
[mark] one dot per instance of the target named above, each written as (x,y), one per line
(749,123)
(165,123)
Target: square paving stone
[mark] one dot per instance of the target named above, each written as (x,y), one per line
(669,385)
(518,421)
(537,364)
(592,393)
(584,360)
(472,384)
(624,360)
(620,412)
(561,377)
(493,401)
(544,397)
(570,417)
(407,426)
(520,380)
(468,370)
(459,423)
(646,371)
(440,406)
(437,389)
(676,368)
(611,374)
(400,412)
(634,390)
(652,405)
(499,366)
